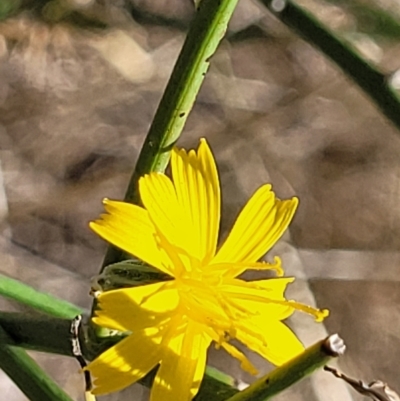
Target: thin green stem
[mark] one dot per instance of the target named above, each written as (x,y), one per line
(26,374)
(372,18)
(373,82)
(38,333)
(205,33)
(41,301)
(298,368)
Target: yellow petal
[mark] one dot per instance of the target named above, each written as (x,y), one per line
(258,227)
(263,331)
(137,307)
(183,364)
(275,304)
(263,299)
(267,298)
(129,227)
(280,346)
(125,363)
(198,190)
(159,198)
(187,210)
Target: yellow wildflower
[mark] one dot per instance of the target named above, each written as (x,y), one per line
(172,323)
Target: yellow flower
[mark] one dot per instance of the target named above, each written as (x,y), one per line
(172,323)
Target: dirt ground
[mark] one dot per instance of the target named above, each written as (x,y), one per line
(75,106)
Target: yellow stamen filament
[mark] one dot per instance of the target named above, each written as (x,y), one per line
(319,315)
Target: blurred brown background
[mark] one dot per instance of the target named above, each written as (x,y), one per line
(80,81)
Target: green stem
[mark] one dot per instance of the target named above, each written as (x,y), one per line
(372,19)
(144,17)
(205,33)
(41,301)
(38,333)
(373,82)
(26,374)
(298,368)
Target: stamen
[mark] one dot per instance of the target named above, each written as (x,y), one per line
(319,314)
(209,306)
(249,297)
(234,269)
(197,309)
(245,312)
(245,364)
(226,307)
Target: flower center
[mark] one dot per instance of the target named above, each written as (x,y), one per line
(204,302)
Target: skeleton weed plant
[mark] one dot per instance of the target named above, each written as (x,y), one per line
(168,289)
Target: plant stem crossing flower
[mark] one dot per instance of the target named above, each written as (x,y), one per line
(172,323)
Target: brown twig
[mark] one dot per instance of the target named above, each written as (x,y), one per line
(377,390)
